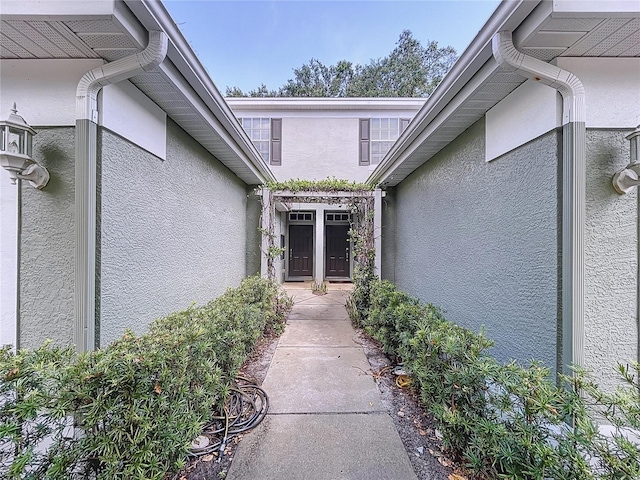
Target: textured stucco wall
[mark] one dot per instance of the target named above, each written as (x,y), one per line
(611,268)
(47,244)
(174,232)
(317,148)
(480,240)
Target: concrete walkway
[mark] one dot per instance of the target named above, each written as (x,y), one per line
(325,420)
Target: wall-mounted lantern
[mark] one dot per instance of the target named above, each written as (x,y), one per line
(16,140)
(626,179)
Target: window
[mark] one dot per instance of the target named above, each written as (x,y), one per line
(338,217)
(377,135)
(265,133)
(300,216)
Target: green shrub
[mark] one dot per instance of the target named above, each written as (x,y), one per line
(136,404)
(505,420)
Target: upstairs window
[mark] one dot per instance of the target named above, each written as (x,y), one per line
(377,135)
(265,133)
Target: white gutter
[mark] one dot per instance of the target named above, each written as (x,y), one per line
(573,184)
(508,15)
(154,16)
(85,182)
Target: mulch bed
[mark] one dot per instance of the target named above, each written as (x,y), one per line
(415,427)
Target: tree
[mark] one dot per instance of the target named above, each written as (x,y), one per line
(410,70)
(261,91)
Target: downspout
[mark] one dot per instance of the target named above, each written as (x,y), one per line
(85,179)
(573,181)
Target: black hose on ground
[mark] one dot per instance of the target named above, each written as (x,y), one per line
(244,409)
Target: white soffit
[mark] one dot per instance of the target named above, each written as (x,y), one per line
(106,30)
(553,30)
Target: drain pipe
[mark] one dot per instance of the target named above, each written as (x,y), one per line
(85,178)
(573,182)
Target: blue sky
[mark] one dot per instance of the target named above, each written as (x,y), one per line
(245,43)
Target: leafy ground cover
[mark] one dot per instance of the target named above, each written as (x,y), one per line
(130,410)
(503,420)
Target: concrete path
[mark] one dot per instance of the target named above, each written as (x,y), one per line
(325,419)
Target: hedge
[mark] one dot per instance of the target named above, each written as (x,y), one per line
(130,410)
(504,420)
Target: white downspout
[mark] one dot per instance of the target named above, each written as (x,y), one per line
(85,179)
(573,182)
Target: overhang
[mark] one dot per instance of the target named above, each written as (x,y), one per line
(113,29)
(543,29)
(324,104)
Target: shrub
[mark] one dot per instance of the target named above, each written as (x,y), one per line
(137,403)
(506,420)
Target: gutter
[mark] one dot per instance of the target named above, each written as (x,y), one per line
(85,177)
(508,15)
(573,181)
(154,16)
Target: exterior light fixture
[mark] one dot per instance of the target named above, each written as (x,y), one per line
(626,179)
(16,148)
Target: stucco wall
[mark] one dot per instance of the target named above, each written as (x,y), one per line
(174,232)
(611,268)
(480,240)
(47,244)
(317,148)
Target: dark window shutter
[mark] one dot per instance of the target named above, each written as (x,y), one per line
(364,142)
(404,123)
(276,141)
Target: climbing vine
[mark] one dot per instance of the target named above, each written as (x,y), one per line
(362,235)
(357,197)
(326,185)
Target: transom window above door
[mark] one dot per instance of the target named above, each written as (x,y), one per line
(300,216)
(338,217)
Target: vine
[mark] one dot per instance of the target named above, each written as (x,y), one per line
(326,185)
(272,251)
(358,199)
(364,256)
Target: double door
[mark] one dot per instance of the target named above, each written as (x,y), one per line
(337,251)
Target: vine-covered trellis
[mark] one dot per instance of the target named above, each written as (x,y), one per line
(358,198)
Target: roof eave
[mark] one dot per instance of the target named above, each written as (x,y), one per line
(154,16)
(508,15)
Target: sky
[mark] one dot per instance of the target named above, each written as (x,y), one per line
(244,43)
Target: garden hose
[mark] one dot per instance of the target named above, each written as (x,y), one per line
(244,409)
(403,381)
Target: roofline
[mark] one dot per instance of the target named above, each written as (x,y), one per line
(507,16)
(153,15)
(325,103)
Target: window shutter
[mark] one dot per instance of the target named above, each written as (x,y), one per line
(364,142)
(404,123)
(276,141)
